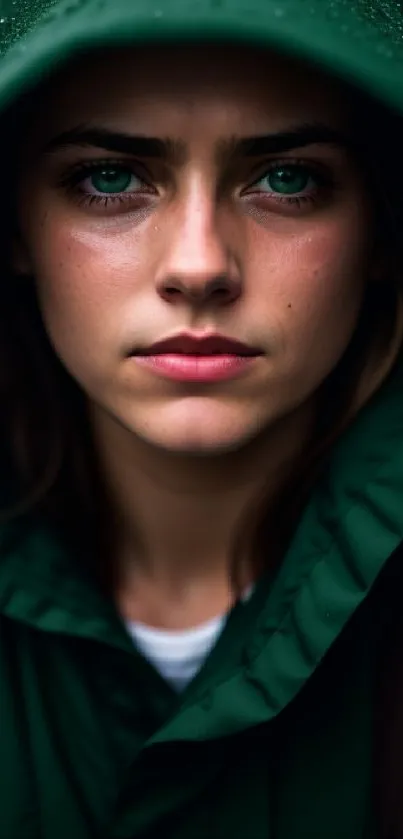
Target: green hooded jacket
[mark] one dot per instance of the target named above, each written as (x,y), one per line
(275,737)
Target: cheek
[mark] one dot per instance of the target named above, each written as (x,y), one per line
(302,291)
(85,282)
(314,288)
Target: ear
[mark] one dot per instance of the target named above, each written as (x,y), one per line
(20,260)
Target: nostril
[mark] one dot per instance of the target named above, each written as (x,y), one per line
(222,289)
(221,292)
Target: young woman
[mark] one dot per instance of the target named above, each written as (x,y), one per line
(202,420)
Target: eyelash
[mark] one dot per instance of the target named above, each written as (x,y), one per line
(323,177)
(73,177)
(71,182)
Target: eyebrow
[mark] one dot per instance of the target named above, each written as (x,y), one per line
(175,150)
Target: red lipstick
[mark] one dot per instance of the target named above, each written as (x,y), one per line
(191,358)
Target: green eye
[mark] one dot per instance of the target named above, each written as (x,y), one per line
(287,180)
(110,180)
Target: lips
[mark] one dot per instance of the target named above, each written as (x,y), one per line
(188,344)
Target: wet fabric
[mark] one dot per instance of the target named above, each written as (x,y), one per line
(273,739)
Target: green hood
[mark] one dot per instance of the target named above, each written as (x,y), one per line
(355,518)
(360,40)
(352,525)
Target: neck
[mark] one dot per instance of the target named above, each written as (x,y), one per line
(177,516)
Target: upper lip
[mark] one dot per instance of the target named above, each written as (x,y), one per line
(190,344)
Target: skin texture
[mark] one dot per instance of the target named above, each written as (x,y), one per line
(109,279)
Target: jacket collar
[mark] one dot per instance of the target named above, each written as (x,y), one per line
(351,526)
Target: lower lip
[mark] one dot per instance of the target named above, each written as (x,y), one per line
(196,368)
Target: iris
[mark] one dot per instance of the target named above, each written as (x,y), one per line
(287,180)
(111,180)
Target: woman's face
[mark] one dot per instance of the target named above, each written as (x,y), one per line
(134,240)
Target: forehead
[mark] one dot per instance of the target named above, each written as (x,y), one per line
(230,88)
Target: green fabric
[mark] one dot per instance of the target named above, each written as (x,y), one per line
(274,738)
(360,39)
(90,731)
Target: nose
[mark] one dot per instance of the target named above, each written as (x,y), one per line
(197,266)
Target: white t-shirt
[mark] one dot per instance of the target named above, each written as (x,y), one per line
(178,655)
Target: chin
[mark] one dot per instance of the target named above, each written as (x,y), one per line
(196,447)
(199,440)
(194,427)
